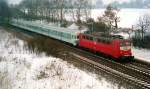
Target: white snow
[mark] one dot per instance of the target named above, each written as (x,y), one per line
(141,54)
(23,69)
(128,17)
(46,23)
(76,27)
(73,26)
(125,35)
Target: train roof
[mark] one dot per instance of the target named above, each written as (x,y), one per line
(66,30)
(104,36)
(59,29)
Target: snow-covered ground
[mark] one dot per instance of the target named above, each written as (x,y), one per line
(128,17)
(23,69)
(141,54)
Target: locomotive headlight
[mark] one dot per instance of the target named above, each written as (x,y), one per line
(125,48)
(121,48)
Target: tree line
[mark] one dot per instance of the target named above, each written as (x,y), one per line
(142,32)
(125,4)
(5,12)
(57,11)
(54,10)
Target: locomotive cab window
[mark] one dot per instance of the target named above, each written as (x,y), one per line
(72,36)
(125,46)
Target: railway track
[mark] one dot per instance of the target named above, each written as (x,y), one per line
(143,66)
(139,68)
(135,81)
(131,72)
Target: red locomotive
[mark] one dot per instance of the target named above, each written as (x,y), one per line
(111,45)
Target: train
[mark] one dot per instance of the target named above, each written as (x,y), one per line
(111,45)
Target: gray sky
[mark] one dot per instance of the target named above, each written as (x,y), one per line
(109,1)
(105,1)
(14,1)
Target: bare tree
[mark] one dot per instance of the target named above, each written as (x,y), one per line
(129,31)
(56,10)
(82,9)
(143,25)
(4,11)
(111,16)
(62,7)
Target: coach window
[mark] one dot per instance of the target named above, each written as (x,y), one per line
(75,37)
(72,37)
(78,37)
(69,36)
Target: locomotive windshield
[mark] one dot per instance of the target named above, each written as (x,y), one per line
(125,46)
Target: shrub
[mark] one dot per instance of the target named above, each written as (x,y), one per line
(142,43)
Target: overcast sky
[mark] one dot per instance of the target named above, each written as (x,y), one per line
(14,1)
(105,1)
(109,1)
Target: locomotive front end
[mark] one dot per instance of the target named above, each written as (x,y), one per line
(125,50)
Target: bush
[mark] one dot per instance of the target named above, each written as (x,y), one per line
(64,23)
(142,43)
(98,26)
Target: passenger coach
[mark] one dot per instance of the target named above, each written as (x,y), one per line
(63,34)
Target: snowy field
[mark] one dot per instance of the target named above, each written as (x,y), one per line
(141,54)
(128,17)
(23,69)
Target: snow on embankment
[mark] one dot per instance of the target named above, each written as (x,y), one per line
(22,69)
(141,54)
